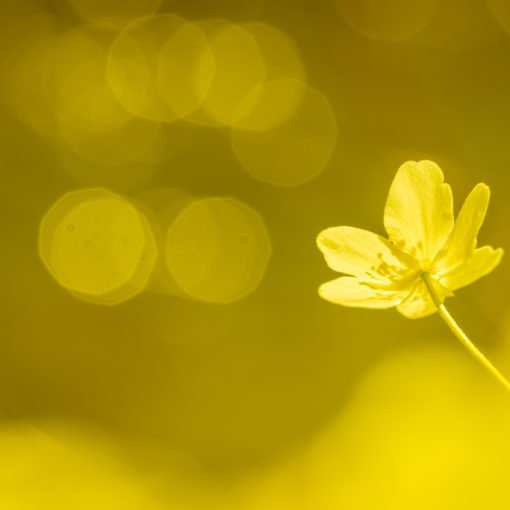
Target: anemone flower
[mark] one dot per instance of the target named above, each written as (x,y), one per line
(424,259)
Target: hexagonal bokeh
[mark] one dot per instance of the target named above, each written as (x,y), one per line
(160,67)
(97,245)
(217,249)
(295,149)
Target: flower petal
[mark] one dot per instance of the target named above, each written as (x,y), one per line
(350,291)
(362,253)
(419,210)
(462,241)
(419,304)
(481,263)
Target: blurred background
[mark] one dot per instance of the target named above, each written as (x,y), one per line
(166,166)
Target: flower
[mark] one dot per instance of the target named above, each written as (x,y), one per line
(423,238)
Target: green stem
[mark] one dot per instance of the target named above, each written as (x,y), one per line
(457,331)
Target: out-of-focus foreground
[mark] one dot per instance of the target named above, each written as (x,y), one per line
(166,166)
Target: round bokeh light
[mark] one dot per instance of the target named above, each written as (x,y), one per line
(294,151)
(160,67)
(97,245)
(217,249)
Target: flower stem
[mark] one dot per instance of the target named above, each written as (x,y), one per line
(457,331)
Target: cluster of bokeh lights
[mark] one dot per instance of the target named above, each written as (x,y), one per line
(101,247)
(104,94)
(103,91)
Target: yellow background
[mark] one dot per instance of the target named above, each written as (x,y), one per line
(276,400)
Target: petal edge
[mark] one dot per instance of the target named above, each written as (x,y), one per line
(461,243)
(361,253)
(353,292)
(483,261)
(418,214)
